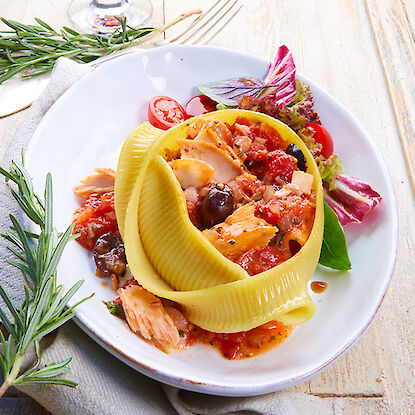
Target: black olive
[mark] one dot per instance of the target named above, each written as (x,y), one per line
(217,205)
(109,255)
(295,151)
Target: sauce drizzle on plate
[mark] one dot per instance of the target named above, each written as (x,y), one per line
(318,286)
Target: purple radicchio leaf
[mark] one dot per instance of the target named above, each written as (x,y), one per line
(351,199)
(279,85)
(229,91)
(281,74)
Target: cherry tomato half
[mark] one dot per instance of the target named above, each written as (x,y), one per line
(323,137)
(165,112)
(200,104)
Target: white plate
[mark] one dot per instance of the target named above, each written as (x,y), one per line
(86,128)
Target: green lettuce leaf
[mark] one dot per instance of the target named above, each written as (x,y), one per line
(334,249)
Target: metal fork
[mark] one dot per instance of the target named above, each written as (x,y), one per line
(202,30)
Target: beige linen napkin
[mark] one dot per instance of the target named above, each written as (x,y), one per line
(107,386)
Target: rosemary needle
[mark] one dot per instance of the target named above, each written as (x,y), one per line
(45,306)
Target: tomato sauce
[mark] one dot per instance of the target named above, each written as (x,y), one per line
(260,260)
(318,286)
(243,344)
(95,218)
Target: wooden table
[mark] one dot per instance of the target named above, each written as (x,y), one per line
(362,52)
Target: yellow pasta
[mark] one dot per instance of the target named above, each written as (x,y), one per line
(172,259)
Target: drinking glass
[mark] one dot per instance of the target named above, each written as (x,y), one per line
(103,16)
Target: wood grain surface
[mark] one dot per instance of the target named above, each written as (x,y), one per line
(363,53)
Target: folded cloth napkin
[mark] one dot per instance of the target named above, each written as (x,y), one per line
(107,386)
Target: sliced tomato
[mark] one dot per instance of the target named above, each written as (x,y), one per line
(200,104)
(323,137)
(165,112)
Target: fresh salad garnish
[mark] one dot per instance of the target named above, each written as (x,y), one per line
(333,250)
(279,84)
(351,199)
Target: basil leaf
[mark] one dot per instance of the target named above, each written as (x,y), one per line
(115,309)
(334,249)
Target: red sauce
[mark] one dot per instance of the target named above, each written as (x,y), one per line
(318,286)
(287,213)
(95,218)
(245,343)
(256,261)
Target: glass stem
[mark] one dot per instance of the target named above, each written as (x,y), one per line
(106,4)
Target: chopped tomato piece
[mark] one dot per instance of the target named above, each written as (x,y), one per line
(165,112)
(95,218)
(256,261)
(286,213)
(322,136)
(279,165)
(200,104)
(244,343)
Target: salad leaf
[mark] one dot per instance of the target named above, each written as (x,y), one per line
(229,91)
(329,169)
(351,199)
(279,84)
(296,114)
(334,249)
(281,73)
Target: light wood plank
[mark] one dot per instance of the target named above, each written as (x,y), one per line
(393,25)
(333,44)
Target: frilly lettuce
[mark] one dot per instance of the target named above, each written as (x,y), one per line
(296,114)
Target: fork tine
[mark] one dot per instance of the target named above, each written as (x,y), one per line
(204,20)
(195,22)
(219,29)
(211,22)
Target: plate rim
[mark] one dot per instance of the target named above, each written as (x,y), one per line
(237,390)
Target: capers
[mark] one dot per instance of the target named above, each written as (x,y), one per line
(217,205)
(295,151)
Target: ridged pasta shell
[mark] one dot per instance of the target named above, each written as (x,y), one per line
(169,257)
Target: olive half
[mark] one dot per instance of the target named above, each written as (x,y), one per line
(217,205)
(295,151)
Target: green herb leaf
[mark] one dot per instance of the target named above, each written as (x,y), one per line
(115,309)
(334,249)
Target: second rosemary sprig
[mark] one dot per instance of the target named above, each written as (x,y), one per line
(44,308)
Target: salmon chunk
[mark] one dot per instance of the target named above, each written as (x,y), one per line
(145,315)
(240,232)
(100,182)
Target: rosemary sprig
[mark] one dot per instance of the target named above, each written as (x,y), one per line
(45,306)
(34,49)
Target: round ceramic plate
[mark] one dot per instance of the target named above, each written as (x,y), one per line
(86,127)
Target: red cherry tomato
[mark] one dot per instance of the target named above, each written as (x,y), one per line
(165,112)
(323,137)
(200,104)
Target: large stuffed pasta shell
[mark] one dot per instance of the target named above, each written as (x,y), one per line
(172,259)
